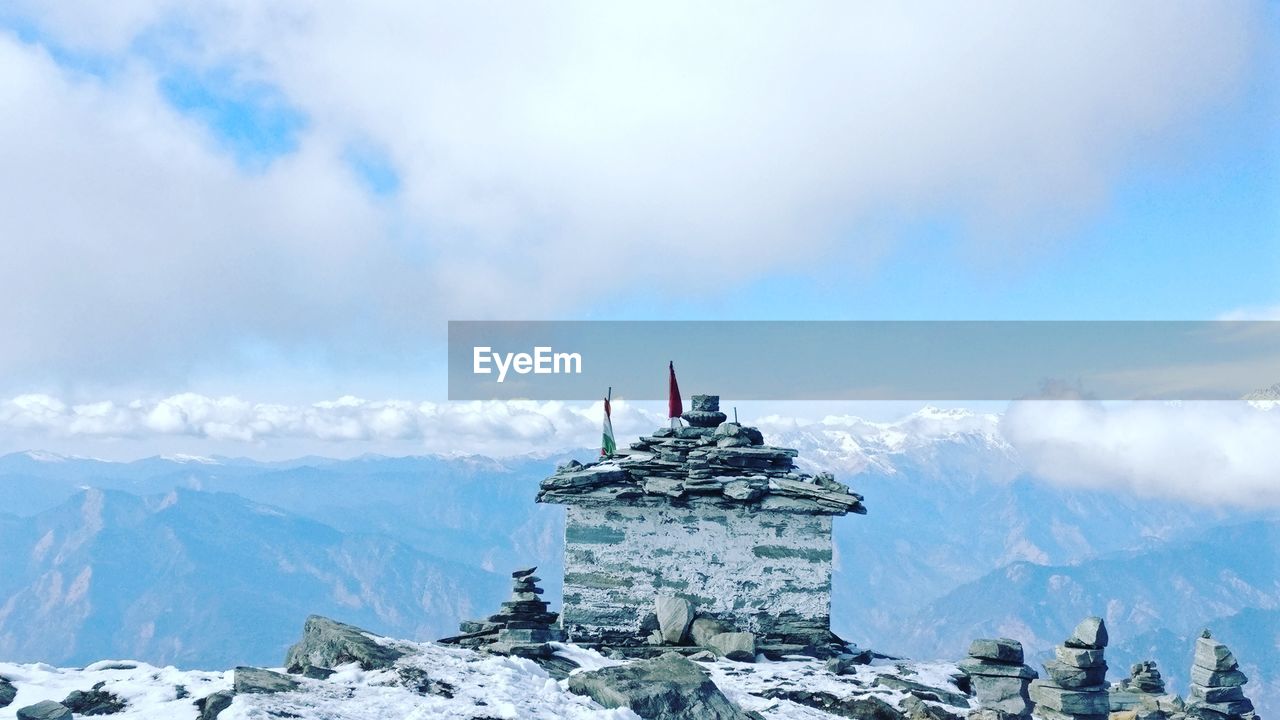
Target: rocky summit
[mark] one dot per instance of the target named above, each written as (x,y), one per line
(1075,688)
(340,672)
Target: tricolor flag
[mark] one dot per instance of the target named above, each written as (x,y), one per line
(675,408)
(607,444)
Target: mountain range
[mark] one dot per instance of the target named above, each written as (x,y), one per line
(166,558)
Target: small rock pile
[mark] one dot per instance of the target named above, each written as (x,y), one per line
(1217,685)
(1076,688)
(1144,677)
(679,625)
(1143,693)
(669,686)
(523,626)
(998,678)
(95,701)
(45,710)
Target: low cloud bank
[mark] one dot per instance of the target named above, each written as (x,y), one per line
(1205,452)
(1213,453)
(489,427)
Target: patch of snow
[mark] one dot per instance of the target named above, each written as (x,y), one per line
(475,686)
(183,458)
(151,693)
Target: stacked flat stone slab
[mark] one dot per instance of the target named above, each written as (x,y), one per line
(1217,685)
(998,677)
(708,513)
(522,627)
(1076,688)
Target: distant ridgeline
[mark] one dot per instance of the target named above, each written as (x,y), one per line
(705,515)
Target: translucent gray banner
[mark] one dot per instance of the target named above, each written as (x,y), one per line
(865,360)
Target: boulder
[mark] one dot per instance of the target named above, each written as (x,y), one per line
(1213,655)
(1001,650)
(744,490)
(7,692)
(675,615)
(1079,657)
(328,643)
(317,673)
(1070,702)
(1216,694)
(973,666)
(45,710)
(703,656)
(93,702)
(740,646)
(913,708)
(669,687)
(990,714)
(703,628)
(847,663)
(252,680)
(1004,693)
(1209,678)
(869,707)
(921,691)
(209,707)
(1069,676)
(1090,634)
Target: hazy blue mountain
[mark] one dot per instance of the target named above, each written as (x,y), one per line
(209,580)
(471,509)
(1155,602)
(960,541)
(948,502)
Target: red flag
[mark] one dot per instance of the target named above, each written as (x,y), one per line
(675,408)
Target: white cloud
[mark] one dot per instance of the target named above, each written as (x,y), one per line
(1205,452)
(1254,313)
(498,428)
(545,151)
(1211,453)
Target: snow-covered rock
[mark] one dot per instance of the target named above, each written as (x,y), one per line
(437,681)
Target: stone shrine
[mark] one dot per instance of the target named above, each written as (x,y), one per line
(707,513)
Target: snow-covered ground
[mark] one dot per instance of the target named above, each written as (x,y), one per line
(466,685)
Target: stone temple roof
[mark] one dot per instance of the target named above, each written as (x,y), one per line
(712,462)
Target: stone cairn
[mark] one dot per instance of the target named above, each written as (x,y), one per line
(1076,688)
(1144,677)
(523,626)
(1143,693)
(998,678)
(1217,685)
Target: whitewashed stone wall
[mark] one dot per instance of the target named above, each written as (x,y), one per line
(766,572)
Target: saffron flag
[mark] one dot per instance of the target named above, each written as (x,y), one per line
(675,408)
(607,444)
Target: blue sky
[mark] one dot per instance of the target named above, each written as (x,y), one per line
(288,205)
